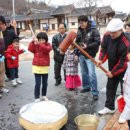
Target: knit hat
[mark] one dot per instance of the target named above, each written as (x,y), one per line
(2,19)
(115,25)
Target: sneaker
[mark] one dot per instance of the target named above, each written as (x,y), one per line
(4,90)
(44,98)
(14,83)
(106,111)
(85,90)
(37,100)
(57,83)
(121,120)
(95,97)
(18,80)
(0,96)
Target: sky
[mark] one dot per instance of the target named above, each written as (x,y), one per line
(117,5)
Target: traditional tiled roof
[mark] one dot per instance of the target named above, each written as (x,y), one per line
(63,10)
(105,9)
(122,16)
(83,11)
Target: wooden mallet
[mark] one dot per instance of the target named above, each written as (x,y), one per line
(69,39)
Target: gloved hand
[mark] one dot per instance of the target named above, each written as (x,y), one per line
(13,57)
(25,51)
(2,58)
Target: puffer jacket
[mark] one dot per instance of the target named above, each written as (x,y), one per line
(91,38)
(12,52)
(41,53)
(56,41)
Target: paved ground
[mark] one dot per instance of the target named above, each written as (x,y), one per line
(75,102)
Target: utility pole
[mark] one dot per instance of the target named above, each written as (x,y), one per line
(13,9)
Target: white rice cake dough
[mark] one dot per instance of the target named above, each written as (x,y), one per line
(43,112)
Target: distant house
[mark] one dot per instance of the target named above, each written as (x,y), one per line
(104,14)
(122,16)
(67,14)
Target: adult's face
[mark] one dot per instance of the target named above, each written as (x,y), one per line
(62,28)
(116,34)
(128,29)
(83,24)
(2,26)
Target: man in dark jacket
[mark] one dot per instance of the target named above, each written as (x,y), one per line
(9,36)
(58,57)
(114,48)
(88,38)
(12,25)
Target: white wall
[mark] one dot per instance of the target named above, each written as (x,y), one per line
(73,20)
(50,22)
(53,21)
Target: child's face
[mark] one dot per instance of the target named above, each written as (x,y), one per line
(71,47)
(128,55)
(42,41)
(16,45)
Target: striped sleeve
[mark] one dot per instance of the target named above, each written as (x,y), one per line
(103,56)
(122,62)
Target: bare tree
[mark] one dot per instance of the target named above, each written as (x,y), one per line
(88,6)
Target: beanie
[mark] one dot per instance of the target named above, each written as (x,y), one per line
(115,24)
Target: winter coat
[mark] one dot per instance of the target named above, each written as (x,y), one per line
(56,41)
(91,38)
(41,53)
(12,52)
(126,89)
(115,50)
(70,64)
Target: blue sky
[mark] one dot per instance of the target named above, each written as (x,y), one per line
(117,5)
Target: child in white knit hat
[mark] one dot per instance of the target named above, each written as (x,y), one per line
(125,115)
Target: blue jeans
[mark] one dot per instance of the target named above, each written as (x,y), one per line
(89,78)
(38,79)
(13,73)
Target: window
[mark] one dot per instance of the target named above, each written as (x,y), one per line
(73,23)
(53,26)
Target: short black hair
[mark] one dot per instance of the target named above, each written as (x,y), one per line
(63,24)
(128,49)
(83,18)
(42,35)
(2,19)
(16,40)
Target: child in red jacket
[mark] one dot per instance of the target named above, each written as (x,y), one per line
(12,57)
(41,63)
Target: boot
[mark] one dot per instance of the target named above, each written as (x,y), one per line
(14,83)
(18,80)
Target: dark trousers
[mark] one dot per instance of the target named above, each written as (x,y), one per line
(57,71)
(13,73)
(129,124)
(7,71)
(111,89)
(40,78)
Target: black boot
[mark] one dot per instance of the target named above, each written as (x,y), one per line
(57,83)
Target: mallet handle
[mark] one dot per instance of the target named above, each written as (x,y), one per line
(31,29)
(87,55)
